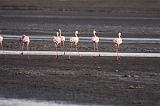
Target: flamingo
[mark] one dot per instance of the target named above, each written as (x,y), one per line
(57,41)
(95,40)
(117,43)
(25,40)
(1,41)
(62,37)
(74,41)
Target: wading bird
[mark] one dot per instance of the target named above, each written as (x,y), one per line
(57,41)
(24,40)
(95,40)
(62,38)
(117,43)
(74,41)
(1,41)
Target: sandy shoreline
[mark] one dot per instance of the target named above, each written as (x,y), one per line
(81,80)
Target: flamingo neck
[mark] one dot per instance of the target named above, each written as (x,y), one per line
(60,32)
(57,34)
(76,34)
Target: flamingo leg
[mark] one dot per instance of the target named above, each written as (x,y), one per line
(118,46)
(97,46)
(71,47)
(27,45)
(22,48)
(117,53)
(77,49)
(1,45)
(63,48)
(63,44)
(56,45)
(94,46)
(94,49)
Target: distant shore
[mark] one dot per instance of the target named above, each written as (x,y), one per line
(104,8)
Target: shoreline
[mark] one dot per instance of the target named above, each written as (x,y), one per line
(81,80)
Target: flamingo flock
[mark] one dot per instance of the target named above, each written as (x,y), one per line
(59,40)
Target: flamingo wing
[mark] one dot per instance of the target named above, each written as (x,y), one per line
(1,38)
(26,39)
(62,38)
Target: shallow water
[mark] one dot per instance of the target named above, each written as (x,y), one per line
(23,102)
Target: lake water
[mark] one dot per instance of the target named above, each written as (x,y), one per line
(23,102)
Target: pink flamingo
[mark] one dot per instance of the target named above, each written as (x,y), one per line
(74,41)
(62,37)
(57,41)
(95,40)
(24,40)
(117,43)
